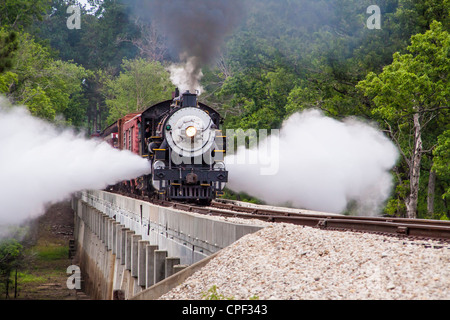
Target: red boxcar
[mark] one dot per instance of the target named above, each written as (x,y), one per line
(129,133)
(125,134)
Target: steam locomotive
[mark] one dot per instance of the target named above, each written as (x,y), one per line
(186,149)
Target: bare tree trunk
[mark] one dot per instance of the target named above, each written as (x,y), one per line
(15,285)
(7,286)
(412,200)
(96,118)
(431,192)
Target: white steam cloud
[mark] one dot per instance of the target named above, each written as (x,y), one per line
(40,164)
(186,76)
(321,164)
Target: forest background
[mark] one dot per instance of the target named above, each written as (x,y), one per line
(282,57)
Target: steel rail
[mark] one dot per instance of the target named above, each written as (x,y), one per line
(415,228)
(420,228)
(424,222)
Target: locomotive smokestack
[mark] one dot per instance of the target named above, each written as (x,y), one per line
(189,99)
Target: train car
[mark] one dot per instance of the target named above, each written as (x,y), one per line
(129,133)
(110,135)
(182,140)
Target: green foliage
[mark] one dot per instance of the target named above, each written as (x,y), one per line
(10,250)
(7,79)
(46,86)
(141,84)
(414,82)
(107,37)
(50,253)
(261,98)
(230,195)
(10,255)
(8,46)
(212,294)
(412,95)
(103,41)
(26,277)
(396,206)
(415,16)
(442,161)
(19,13)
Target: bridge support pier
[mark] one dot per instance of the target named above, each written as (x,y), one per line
(150,257)
(142,262)
(160,265)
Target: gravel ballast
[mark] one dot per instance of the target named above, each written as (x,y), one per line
(284,261)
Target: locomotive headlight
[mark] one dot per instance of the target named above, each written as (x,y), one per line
(191,132)
(191,135)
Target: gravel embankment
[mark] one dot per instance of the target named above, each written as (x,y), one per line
(284,261)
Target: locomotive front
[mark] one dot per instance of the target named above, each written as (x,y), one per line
(188,160)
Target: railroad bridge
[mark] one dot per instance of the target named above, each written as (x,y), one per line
(131,249)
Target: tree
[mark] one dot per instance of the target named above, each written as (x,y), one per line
(141,84)
(8,46)
(150,43)
(101,43)
(98,44)
(10,254)
(412,95)
(442,160)
(258,99)
(46,86)
(52,29)
(19,13)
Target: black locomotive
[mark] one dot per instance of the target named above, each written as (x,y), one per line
(182,140)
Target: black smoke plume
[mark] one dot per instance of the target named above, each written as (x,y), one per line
(195,29)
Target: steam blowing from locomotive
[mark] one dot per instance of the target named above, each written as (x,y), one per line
(42,164)
(317,163)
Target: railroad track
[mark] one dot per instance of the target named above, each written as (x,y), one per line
(412,228)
